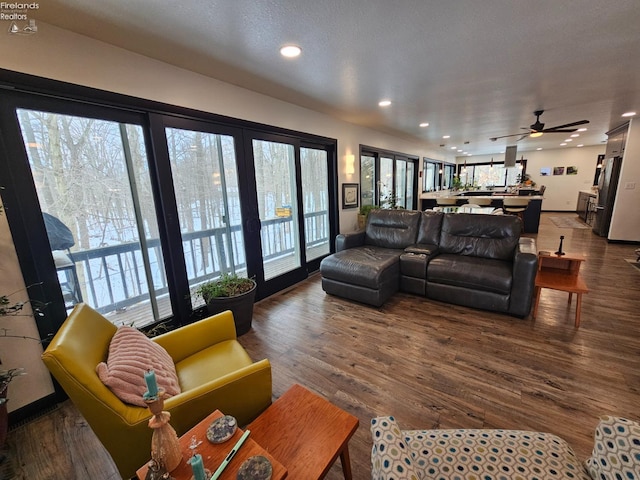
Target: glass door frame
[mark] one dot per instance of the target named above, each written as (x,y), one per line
(252,222)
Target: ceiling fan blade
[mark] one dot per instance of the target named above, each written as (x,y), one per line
(523,136)
(512,135)
(566,125)
(564,130)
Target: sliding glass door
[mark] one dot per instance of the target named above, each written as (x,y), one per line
(92,183)
(290,185)
(206,186)
(130,211)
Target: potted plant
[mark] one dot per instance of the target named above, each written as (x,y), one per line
(231,292)
(363,213)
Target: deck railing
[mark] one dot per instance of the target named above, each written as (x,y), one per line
(113,278)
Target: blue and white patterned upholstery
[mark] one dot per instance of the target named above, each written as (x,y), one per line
(616,450)
(477,454)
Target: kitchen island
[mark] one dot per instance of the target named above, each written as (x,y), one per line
(531,215)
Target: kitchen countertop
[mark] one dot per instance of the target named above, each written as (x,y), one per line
(495,195)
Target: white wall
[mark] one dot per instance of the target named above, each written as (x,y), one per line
(562,190)
(625,222)
(19,352)
(62,55)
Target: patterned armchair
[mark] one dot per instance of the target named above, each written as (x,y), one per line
(496,454)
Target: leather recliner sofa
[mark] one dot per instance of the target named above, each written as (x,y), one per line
(473,260)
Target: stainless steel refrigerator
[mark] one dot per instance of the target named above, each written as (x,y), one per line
(607,187)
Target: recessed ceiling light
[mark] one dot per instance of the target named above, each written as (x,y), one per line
(453,148)
(575,135)
(582,129)
(562,144)
(446,136)
(539,148)
(384,103)
(569,140)
(581,145)
(290,51)
(628,114)
(424,124)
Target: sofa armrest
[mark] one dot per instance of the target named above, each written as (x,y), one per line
(345,241)
(391,456)
(525,267)
(422,249)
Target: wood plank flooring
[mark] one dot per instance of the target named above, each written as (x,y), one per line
(430,364)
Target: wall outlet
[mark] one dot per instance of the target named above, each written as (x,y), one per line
(630,185)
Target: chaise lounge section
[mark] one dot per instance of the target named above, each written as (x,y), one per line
(478,261)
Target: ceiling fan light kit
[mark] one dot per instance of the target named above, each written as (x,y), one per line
(537,129)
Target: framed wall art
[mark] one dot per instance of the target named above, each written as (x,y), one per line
(350,197)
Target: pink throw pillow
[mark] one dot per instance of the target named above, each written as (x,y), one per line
(131,354)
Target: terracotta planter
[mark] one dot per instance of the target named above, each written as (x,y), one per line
(241,306)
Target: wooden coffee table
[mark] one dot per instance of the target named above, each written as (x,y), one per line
(214,454)
(305,433)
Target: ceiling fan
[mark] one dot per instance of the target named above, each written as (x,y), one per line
(537,128)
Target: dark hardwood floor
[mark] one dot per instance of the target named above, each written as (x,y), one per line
(430,364)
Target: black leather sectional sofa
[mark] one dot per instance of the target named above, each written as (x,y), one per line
(467,259)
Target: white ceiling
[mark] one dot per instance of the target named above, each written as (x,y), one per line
(473,69)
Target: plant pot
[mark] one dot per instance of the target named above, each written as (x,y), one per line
(362,221)
(241,306)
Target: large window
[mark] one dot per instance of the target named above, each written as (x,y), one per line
(491,175)
(437,175)
(129,205)
(92,181)
(387,179)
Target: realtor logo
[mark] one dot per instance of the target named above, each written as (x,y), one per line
(28,29)
(18,16)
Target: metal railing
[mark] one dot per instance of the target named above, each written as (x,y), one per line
(113,278)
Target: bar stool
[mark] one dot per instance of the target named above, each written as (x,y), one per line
(482,201)
(515,206)
(447,201)
(592,207)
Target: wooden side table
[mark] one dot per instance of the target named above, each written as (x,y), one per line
(214,454)
(560,272)
(305,433)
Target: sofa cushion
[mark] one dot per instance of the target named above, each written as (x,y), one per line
(392,228)
(486,236)
(492,454)
(429,228)
(364,266)
(616,450)
(390,457)
(131,354)
(475,273)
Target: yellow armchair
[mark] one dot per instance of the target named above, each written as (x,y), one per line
(214,371)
